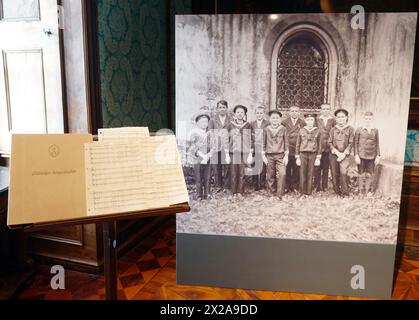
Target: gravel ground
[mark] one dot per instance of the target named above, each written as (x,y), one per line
(322,216)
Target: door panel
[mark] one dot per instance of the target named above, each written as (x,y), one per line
(30,69)
(20,9)
(25,91)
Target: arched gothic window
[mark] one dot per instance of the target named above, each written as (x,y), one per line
(302,72)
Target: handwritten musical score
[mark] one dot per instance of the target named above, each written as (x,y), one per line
(131,175)
(123,133)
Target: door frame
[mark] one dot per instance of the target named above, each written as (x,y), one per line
(63,77)
(91,36)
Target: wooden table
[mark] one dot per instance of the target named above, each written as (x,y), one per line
(109,236)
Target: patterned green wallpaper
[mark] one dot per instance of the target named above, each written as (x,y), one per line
(133,43)
(132,50)
(412,148)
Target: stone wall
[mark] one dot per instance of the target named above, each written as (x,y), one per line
(230,57)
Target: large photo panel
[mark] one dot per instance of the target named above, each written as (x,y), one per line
(292,128)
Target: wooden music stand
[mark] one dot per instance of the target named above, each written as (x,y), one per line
(109,236)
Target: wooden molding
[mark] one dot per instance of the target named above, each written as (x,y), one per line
(56,237)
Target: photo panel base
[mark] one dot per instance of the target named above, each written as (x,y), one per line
(303,266)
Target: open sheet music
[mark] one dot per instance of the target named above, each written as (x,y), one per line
(67,176)
(130,176)
(114,134)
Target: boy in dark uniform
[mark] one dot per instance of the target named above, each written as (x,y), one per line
(218,127)
(293,124)
(367,152)
(275,153)
(259,178)
(325,122)
(239,150)
(200,152)
(341,139)
(308,153)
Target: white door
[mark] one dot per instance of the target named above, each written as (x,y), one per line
(30,71)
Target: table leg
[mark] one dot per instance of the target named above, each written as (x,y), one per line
(110,260)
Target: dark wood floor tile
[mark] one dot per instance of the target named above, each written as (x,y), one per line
(148,265)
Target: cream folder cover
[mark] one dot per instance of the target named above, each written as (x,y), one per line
(47,178)
(57,177)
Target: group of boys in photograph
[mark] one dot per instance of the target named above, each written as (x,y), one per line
(282,154)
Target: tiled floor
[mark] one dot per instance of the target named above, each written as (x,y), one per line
(149,272)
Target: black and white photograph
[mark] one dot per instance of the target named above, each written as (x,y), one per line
(293,126)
